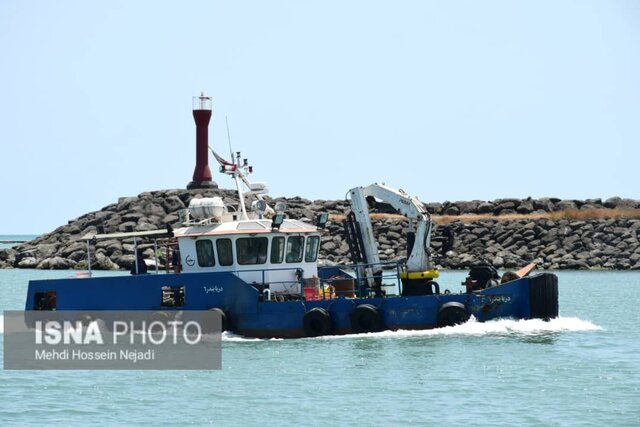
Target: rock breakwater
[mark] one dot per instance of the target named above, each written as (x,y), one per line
(506,233)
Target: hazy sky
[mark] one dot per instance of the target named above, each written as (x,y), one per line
(449,100)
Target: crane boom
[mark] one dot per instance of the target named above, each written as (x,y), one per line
(418,232)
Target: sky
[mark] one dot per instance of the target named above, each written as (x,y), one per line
(448,100)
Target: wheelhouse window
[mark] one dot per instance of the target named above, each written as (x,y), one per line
(225,254)
(311,251)
(277,250)
(252,250)
(295,248)
(204,251)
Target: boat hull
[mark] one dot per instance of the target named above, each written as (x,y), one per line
(249,314)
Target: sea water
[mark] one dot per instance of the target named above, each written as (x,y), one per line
(8,240)
(580,369)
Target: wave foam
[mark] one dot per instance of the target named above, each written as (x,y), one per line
(501,327)
(471,328)
(231,337)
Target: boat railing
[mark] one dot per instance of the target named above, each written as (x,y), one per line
(354,279)
(164,236)
(286,289)
(345,281)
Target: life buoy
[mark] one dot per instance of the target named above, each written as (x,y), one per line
(365,318)
(316,322)
(451,314)
(223,318)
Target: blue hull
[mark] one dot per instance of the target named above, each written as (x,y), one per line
(247,314)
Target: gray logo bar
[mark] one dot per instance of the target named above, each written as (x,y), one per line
(112,340)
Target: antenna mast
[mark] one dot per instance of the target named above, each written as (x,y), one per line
(226,119)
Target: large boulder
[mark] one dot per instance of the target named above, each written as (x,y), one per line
(73,247)
(612,202)
(45,250)
(7,254)
(526,207)
(563,205)
(468,207)
(28,262)
(545,204)
(102,262)
(434,208)
(124,203)
(486,208)
(452,210)
(152,209)
(56,263)
(506,206)
(172,204)
(125,261)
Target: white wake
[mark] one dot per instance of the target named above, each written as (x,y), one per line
(471,328)
(502,327)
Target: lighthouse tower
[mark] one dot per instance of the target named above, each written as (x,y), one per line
(202,116)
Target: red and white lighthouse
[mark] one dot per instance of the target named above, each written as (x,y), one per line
(202,116)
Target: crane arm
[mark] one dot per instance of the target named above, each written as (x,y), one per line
(409,206)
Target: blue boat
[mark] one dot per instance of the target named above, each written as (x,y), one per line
(260,271)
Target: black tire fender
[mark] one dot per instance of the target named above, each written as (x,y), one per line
(84,318)
(152,323)
(316,322)
(366,318)
(223,318)
(451,314)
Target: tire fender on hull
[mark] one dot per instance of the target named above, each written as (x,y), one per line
(316,322)
(366,318)
(223,318)
(543,296)
(451,314)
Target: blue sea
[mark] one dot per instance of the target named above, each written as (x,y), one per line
(582,369)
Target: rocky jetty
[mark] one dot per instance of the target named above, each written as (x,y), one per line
(506,233)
